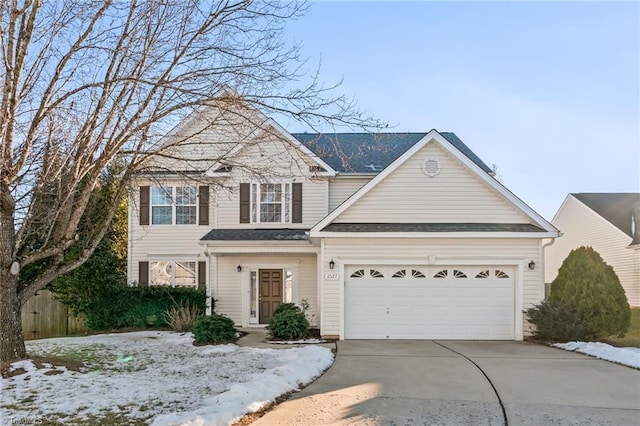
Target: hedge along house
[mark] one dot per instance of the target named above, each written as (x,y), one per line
(386,236)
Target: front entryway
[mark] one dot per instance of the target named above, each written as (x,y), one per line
(270,294)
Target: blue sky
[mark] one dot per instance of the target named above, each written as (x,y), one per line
(549,92)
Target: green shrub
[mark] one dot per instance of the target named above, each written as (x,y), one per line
(556,322)
(588,294)
(288,323)
(120,305)
(214,328)
(285,307)
(181,318)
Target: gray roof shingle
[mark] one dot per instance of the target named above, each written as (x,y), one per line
(256,235)
(615,207)
(432,227)
(371,152)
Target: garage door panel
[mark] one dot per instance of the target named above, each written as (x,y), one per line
(429,308)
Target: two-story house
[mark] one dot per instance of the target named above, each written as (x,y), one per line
(386,236)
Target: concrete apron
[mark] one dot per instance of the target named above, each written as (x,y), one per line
(463,383)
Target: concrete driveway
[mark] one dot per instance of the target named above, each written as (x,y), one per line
(463,383)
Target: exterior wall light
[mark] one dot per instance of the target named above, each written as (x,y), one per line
(239,268)
(532,265)
(332,264)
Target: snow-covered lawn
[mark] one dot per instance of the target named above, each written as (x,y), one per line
(157,376)
(625,356)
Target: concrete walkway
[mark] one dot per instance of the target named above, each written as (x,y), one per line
(259,338)
(463,383)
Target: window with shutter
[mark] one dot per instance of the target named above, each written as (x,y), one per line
(203,205)
(296,202)
(245,203)
(143,274)
(144,205)
(202,275)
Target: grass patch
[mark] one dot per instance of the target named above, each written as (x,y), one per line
(93,357)
(632,338)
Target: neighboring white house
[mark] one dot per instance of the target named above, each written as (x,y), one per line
(608,222)
(386,236)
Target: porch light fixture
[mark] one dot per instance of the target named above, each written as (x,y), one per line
(332,264)
(239,268)
(532,265)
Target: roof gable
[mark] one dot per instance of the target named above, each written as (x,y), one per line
(516,210)
(616,208)
(372,152)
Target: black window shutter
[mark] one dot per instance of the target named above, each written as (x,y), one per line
(296,202)
(203,205)
(202,275)
(245,203)
(144,205)
(143,274)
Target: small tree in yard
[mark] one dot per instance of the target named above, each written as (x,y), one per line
(86,84)
(586,301)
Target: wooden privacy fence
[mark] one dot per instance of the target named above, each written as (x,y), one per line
(43,316)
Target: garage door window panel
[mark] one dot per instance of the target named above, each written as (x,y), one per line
(375,274)
(358,274)
(501,274)
(441,274)
(483,274)
(400,274)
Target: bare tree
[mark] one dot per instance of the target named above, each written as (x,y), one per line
(86,83)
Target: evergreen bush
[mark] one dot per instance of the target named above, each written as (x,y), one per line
(586,293)
(214,328)
(288,323)
(119,305)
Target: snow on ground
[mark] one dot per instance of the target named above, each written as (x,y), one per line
(155,375)
(625,356)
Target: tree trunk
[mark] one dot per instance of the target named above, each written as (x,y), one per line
(11,338)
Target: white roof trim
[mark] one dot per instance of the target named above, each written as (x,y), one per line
(320,234)
(433,135)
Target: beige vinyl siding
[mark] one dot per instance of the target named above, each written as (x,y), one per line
(151,242)
(581,226)
(455,195)
(314,206)
(406,251)
(342,188)
(205,137)
(228,282)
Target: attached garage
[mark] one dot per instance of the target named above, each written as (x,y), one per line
(429,302)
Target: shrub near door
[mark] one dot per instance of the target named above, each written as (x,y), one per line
(214,329)
(288,323)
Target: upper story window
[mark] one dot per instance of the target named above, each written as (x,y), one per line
(174,205)
(169,205)
(270,202)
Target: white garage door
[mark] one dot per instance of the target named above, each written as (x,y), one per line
(419,302)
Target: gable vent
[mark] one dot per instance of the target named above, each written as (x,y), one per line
(431,167)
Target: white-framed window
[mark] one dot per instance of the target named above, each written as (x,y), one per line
(173,273)
(174,205)
(271,202)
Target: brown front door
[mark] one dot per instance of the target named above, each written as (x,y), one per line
(270,296)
